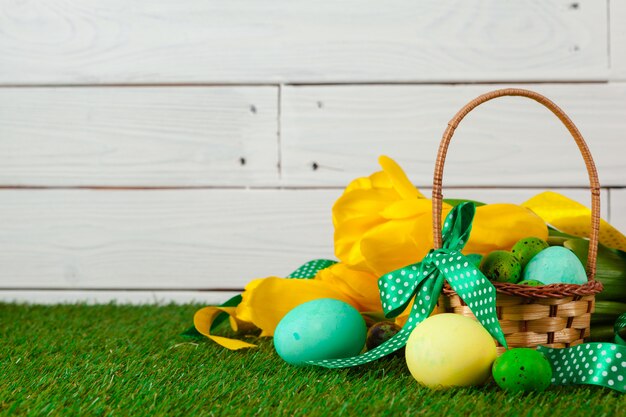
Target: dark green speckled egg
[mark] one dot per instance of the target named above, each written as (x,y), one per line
(501,266)
(522,369)
(525,249)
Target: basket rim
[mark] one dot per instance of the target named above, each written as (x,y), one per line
(543,291)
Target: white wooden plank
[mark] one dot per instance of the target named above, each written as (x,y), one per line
(618,209)
(617,10)
(140,136)
(511,141)
(171,239)
(116,296)
(156,41)
(159,239)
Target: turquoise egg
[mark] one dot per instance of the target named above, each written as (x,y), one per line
(320,329)
(555,265)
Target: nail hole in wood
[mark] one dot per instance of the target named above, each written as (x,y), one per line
(574,6)
(315,166)
(253,108)
(242,161)
(320,104)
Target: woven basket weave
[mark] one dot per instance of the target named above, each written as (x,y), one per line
(556,315)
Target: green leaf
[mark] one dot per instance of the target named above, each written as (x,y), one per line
(456,201)
(557,240)
(222,317)
(603,333)
(610,268)
(607,312)
(192,333)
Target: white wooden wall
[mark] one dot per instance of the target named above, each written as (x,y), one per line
(155,150)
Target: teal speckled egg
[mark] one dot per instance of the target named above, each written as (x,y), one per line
(555,265)
(522,369)
(320,329)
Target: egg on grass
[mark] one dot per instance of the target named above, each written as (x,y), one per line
(450,350)
(522,369)
(320,329)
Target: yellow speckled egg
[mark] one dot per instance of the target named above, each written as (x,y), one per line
(450,350)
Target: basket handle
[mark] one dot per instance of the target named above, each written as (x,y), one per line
(582,146)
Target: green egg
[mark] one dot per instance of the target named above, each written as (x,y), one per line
(501,266)
(531,283)
(522,369)
(528,247)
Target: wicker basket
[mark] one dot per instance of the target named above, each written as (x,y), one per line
(556,315)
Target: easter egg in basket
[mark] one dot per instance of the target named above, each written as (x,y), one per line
(556,265)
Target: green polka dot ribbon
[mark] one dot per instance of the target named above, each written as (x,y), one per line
(421,283)
(309,269)
(601,364)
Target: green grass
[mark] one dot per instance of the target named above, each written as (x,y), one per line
(123,360)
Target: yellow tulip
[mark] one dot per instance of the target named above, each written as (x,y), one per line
(383,223)
(267,300)
(574,218)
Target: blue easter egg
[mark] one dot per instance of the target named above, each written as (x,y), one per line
(556,265)
(320,329)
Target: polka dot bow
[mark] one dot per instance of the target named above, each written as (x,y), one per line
(422,283)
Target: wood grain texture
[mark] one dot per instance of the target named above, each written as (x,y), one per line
(158,239)
(160,41)
(139,136)
(171,239)
(116,296)
(331,134)
(617,10)
(618,209)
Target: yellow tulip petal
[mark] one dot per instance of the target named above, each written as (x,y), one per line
(407,208)
(359,286)
(204,318)
(359,184)
(401,182)
(574,218)
(266,301)
(397,243)
(348,236)
(500,226)
(359,203)
(381,180)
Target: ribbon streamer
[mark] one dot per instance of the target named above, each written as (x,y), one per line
(422,282)
(311,268)
(207,318)
(601,364)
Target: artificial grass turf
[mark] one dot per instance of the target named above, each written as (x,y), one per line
(124,360)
